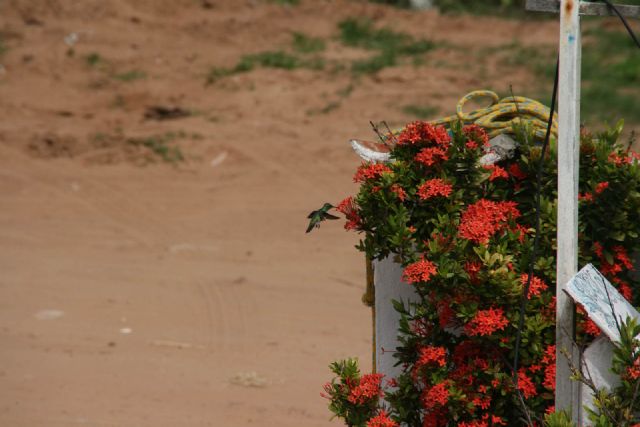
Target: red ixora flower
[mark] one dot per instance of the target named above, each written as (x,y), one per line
(434,187)
(484,218)
(633,371)
(399,191)
(497,172)
(381,420)
(473,268)
(350,210)
(486,322)
(431,354)
(536,286)
(621,255)
(420,132)
(477,134)
(429,156)
(587,197)
(525,385)
(436,396)
(368,388)
(601,187)
(368,171)
(516,172)
(420,271)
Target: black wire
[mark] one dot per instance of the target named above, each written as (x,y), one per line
(536,240)
(624,21)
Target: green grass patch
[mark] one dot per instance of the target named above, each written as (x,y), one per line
(130,76)
(610,75)
(390,45)
(94,59)
(610,72)
(160,146)
(358,32)
(420,111)
(270,59)
(3,48)
(303,43)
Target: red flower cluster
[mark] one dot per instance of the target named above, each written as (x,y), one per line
(368,171)
(525,385)
(420,271)
(633,372)
(516,172)
(431,354)
(590,197)
(434,187)
(429,156)
(485,218)
(484,422)
(630,157)
(476,134)
(601,187)
(497,172)
(549,361)
(421,132)
(486,322)
(367,389)
(536,286)
(399,191)
(473,268)
(621,262)
(587,197)
(445,313)
(350,210)
(381,420)
(436,396)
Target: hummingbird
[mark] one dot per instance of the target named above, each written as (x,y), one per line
(316,217)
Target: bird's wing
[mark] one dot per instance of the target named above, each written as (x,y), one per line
(329,216)
(311,214)
(311,225)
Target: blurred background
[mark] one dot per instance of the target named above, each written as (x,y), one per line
(159,158)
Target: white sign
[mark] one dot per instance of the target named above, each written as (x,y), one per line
(603,303)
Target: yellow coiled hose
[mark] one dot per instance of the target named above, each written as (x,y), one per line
(502,114)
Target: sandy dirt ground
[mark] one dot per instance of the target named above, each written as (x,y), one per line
(136,292)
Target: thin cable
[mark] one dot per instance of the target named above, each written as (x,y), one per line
(624,21)
(536,240)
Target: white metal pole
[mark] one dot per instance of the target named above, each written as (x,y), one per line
(567,391)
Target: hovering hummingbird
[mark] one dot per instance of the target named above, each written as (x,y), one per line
(316,217)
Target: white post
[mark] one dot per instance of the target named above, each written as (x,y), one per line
(567,391)
(389,286)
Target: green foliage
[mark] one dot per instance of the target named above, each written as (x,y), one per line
(390,45)
(361,33)
(94,59)
(269,59)
(160,146)
(130,76)
(352,397)
(420,111)
(306,44)
(620,407)
(3,47)
(610,71)
(558,419)
(611,75)
(464,235)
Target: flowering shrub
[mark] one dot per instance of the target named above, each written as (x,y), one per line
(464,235)
(354,398)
